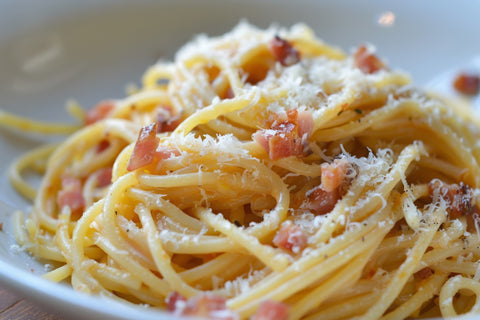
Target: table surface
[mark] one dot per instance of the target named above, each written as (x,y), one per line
(14,307)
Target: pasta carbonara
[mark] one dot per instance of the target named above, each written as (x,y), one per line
(263,174)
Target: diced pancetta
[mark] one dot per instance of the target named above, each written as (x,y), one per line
(304,124)
(145,147)
(104,177)
(271,310)
(99,112)
(458,197)
(287,136)
(284,52)
(367,61)
(176,302)
(335,178)
(284,143)
(334,174)
(71,194)
(467,83)
(167,121)
(320,201)
(208,306)
(290,237)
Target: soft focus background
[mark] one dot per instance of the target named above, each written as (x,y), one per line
(55,50)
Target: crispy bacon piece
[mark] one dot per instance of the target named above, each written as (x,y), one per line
(99,112)
(283,143)
(207,306)
(287,135)
(104,177)
(467,83)
(290,237)
(336,176)
(144,150)
(320,201)
(71,195)
(459,197)
(304,122)
(166,120)
(271,310)
(284,52)
(367,61)
(171,124)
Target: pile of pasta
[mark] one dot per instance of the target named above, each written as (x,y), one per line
(264,174)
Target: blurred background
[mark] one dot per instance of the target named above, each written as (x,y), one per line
(53,50)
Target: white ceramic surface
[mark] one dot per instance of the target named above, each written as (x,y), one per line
(53,50)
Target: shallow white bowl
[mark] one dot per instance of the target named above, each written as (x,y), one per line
(53,50)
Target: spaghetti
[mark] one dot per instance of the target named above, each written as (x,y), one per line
(264,174)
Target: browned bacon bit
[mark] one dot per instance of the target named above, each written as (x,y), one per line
(1,226)
(104,177)
(335,179)
(71,195)
(271,310)
(207,306)
(166,121)
(457,196)
(290,237)
(284,52)
(144,150)
(99,112)
(287,135)
(423,273)
(102,146)
(334,174)
(304,121)
(367,61)
(320,201)
(467,83)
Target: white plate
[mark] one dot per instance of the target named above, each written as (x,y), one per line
(51,51)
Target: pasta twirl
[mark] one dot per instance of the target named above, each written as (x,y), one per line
(264,172)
